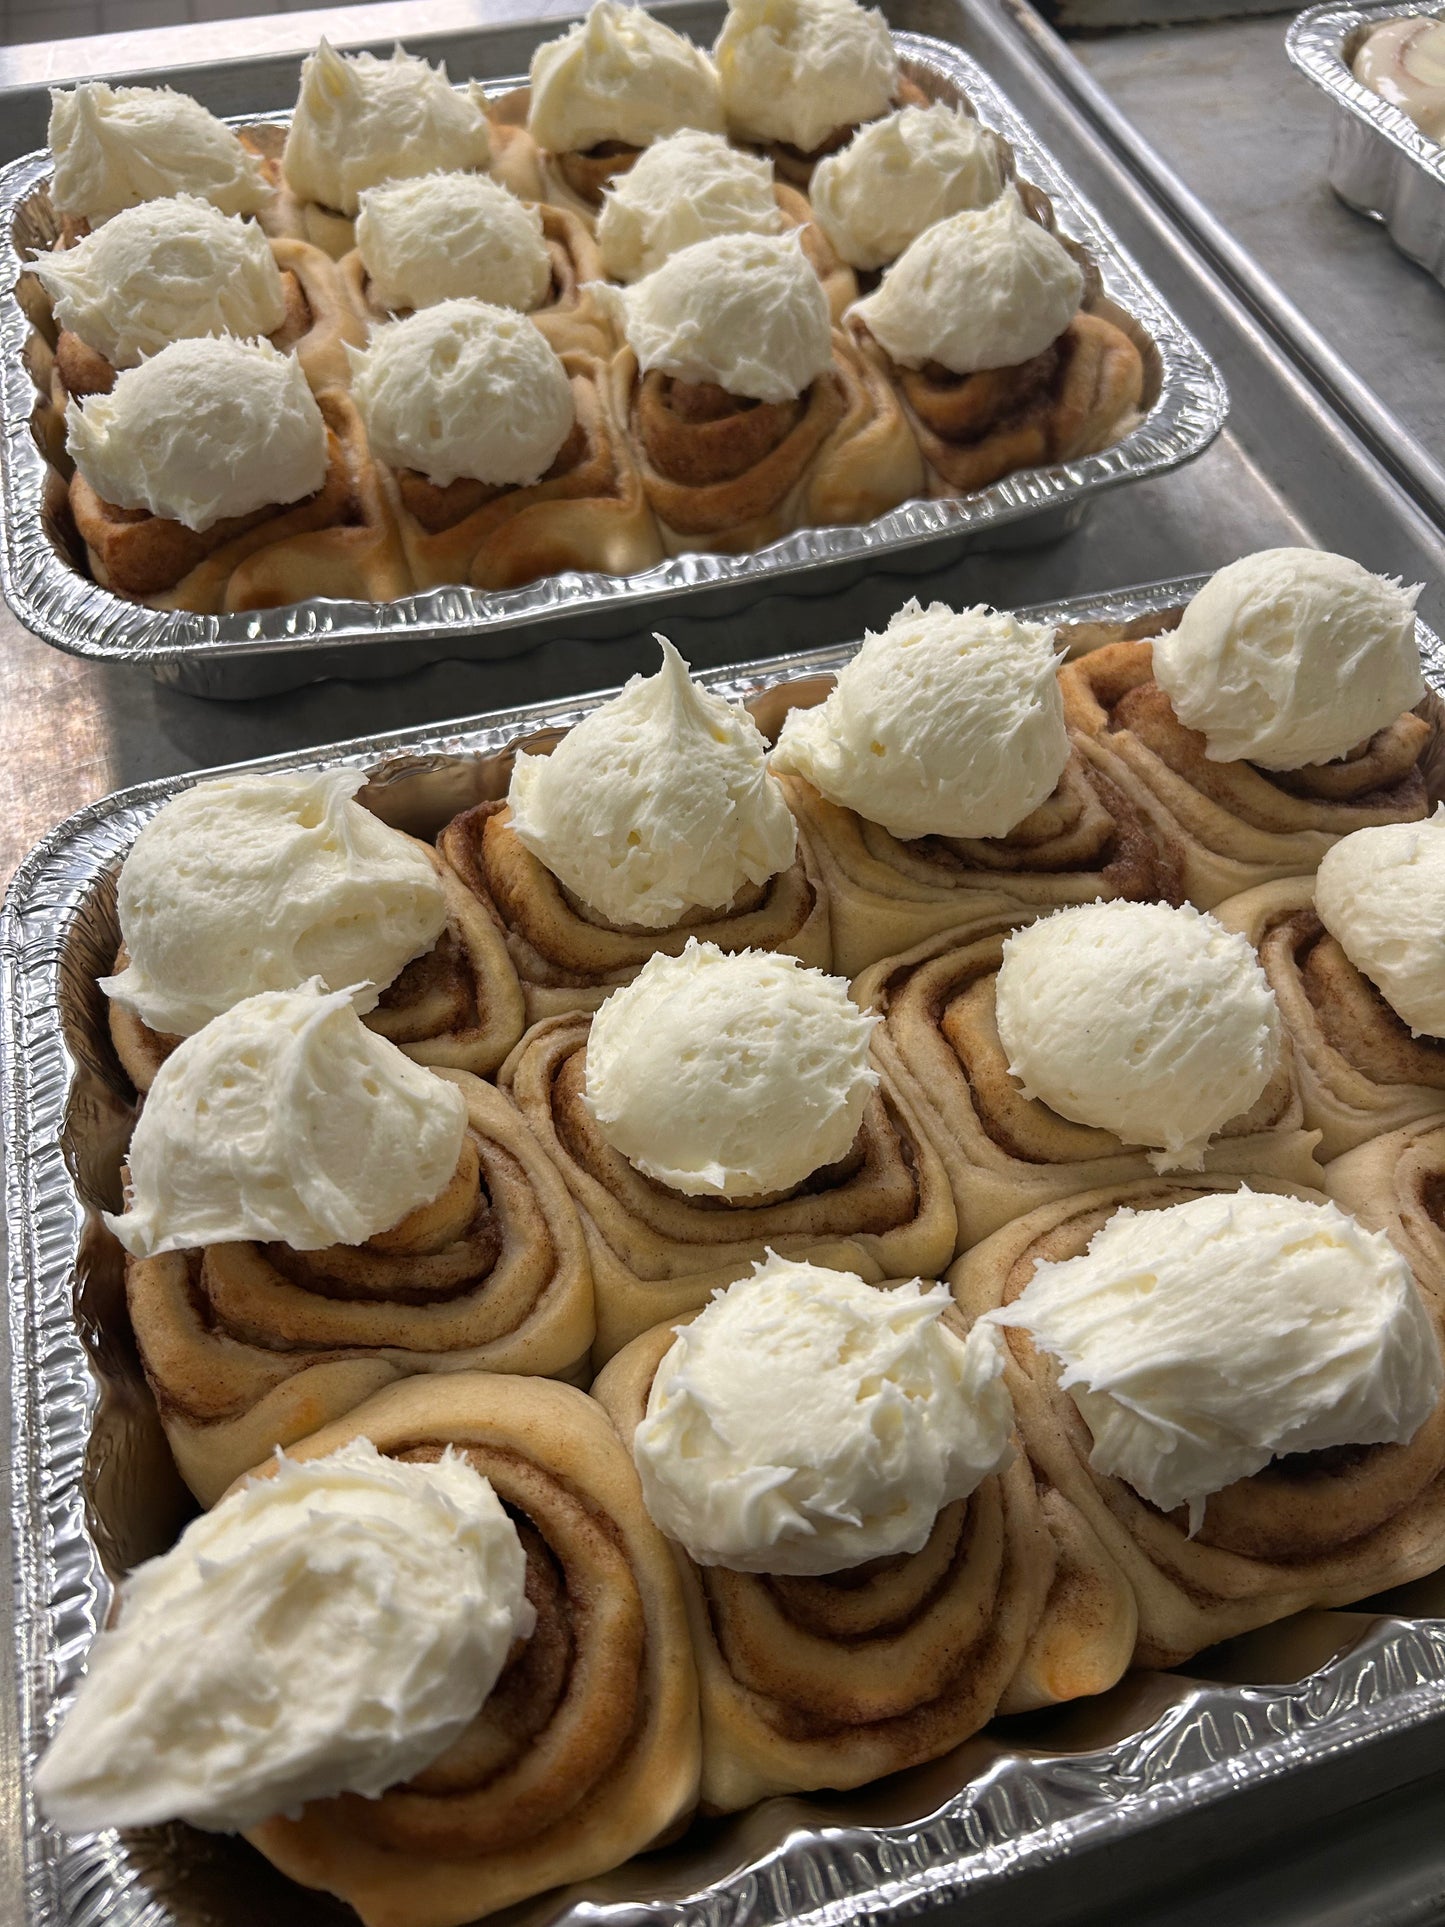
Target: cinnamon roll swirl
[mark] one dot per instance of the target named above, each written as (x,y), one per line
(247,1346)
(1230,825)
(586,1750)
(1007,1152)
(883,1210)
(1311,1529)
(1396,1183)
(1361,1071)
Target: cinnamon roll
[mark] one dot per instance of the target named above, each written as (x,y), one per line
(1005,1146)
(1396,1183)
(854,1620)
(707,1148)
(586,1750)
(1311,755)
(938,785)
(1233,1452)
(653,821)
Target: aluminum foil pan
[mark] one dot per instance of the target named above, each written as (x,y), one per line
(1380,162)
(94,1491)
(43,581)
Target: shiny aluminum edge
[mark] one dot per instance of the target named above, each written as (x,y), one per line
(929,1841)
(1380,162)
(58,604)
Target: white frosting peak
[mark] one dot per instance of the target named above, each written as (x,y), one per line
(1381,894)
(359,121)
(899,177)
(1202,1341)
(203,431)
(684,189)
(806,1422)
(729,1076)
(656,804)
(620,75)
(1154,1023)
(945,725)
(115,147)
(799,70)
(988,288)
(447,237)
(285,1120)
(260,882)
(331,1628)
(1291,656)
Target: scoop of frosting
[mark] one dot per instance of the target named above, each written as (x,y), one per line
(620,75)
(286,1120)
(899,177)
(464,388)
(688,188)
(160,272)
(1154,1023)
(657,803)
(743,310)
(799,70)
(1381,895)
(945,725)
(1290,657)
(331,1628)
(260,882)
(806,1422)
(988,288)
(115,147)
(1202,1341)
(729,1075)
(359,121)
(449,237)
(203,431)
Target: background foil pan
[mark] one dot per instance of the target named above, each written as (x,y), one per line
(246,654)
(1358,1695)
(1380,162)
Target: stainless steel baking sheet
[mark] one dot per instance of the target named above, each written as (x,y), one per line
(1380,162)
(51,595)
(92,1493)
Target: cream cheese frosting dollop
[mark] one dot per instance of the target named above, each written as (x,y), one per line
(806,1422)
(988,288)
(464,388)
(202,431)
(1380,893)
(260,882)
(330,1628)
(685,189)
(946,724)
(359,121)
(1290,657)
(729,1075)
(164,271)
(900,176)
(657,803)
(745,311)
(1154,1023)
(286,1120)
(799,70)
(1201,1341)
(620,75)
(448,237)
(115,147)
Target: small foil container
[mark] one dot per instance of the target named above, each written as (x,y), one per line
(43,578)
(1380,162)
(94,1491)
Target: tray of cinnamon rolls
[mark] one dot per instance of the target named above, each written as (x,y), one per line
(420,368)
(777,1233)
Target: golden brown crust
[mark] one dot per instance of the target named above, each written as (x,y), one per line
(249,1346)
(834,1681)
(883,1211)
(1318,1530)
(586,1750)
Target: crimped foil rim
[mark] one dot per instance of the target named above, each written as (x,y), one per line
(1017,1811)
(61,606)
(1315,42)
